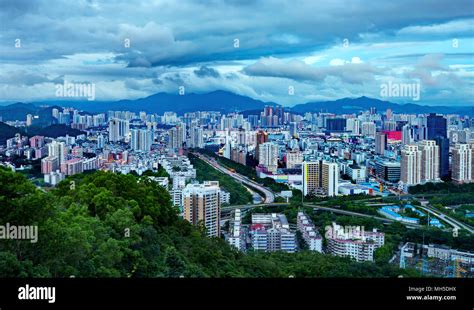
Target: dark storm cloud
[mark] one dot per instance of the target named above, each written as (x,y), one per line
(204,71)
(171,33)
(257,47)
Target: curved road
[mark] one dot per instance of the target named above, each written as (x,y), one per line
(269,196)
(451,221)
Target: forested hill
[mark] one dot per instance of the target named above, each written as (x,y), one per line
(83,231)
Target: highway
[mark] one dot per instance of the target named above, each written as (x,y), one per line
(269,197)
(224,210)
(451,221)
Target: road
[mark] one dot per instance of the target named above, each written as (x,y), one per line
(269,197)
(334,210)
(345,212)
(451,221)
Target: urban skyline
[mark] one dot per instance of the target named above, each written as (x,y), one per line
(147,140)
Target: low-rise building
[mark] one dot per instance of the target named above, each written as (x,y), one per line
(356,244)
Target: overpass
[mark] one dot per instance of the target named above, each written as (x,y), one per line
(228,209)
(268,195)
(451,221)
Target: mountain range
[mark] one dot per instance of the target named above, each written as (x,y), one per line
(221,101)
(355,105)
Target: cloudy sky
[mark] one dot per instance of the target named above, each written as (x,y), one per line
(282,51)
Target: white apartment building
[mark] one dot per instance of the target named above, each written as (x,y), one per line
(237,235)
(410,165)
(463,163)
(268,156)
(429,160)
(356,244)
(310,234)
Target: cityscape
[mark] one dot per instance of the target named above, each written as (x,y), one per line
(258,181)
(222,140)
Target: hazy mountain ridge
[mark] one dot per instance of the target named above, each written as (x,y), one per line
(224,102)
(355,105)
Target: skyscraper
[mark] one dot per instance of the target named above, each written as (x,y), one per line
(436,125)
(380,143)
(463,163)
(411,165)
(429,160)
(443,144)
(437,130)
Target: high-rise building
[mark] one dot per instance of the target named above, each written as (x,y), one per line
(436,125)
(29,120)
(443,144)
(411,165)
(437,130)
(119,129)
(196,137)
(335,124)
(268,156)
(237,234)
(201,204)
(320,178)
(58,149)
(463,163)
(49,164)
(262,137)
(353,125)
(312,177)
(330,178)
(380,143)
(37,141)
(368,129)
(407,134)
(429,160)
(72,166)
(177,136)
(141,139)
